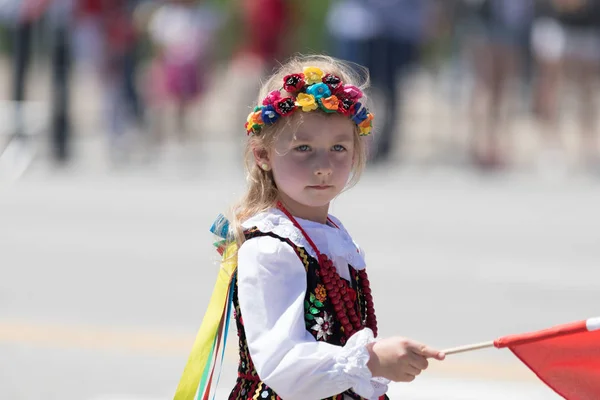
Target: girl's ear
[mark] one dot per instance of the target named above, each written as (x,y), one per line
(261,156)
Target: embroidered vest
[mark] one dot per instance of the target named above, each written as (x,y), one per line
(319,317)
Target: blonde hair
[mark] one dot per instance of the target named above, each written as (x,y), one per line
(262,193)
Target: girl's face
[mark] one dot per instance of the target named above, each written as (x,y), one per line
(313,166)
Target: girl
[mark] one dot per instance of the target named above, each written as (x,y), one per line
(303,307)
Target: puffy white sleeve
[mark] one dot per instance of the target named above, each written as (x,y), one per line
(271,291)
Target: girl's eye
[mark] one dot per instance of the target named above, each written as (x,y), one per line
(303,148)
(338,147)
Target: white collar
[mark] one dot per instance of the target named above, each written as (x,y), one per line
(336,243)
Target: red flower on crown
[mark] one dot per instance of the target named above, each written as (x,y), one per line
(346,106)
(333,81)
(285,106)
(348,96)
(293,83)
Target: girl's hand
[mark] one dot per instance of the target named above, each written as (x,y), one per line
(400,359)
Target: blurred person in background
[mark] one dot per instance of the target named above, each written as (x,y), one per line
(351,26)
(497,40)
(59,14)
(386,37)
(183,35)
(118,67)
(266,33)
(566,43)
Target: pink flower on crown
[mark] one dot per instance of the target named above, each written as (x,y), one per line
(272,97)
(351,92)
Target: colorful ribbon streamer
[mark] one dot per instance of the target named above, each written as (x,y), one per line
(196,380)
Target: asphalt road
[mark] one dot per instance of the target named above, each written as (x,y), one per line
(104,276)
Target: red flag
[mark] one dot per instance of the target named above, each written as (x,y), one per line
(566,357)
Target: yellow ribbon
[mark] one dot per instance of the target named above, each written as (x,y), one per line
(198,360)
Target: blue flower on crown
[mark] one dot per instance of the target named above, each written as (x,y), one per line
(269,115)
(360,114)
(319,90)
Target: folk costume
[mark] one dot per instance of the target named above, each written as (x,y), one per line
(291,325)
(298,289)
(292,340)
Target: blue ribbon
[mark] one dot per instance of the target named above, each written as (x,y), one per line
(220,227)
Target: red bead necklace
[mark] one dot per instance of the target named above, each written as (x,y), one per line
(339,291)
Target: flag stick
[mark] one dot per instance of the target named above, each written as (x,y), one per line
(469,347)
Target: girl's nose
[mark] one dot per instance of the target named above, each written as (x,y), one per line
(323,166)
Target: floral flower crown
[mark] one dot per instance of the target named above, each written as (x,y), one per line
(311,90)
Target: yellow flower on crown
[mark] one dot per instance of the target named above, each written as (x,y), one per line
(312,75)
(306,101)
(366,126)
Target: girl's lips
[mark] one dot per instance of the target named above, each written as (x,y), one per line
(320,187)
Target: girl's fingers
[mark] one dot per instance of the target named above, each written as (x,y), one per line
(406,378)
(418,361)
(428,352)
(412,370)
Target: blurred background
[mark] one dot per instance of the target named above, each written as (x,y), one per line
(121,140)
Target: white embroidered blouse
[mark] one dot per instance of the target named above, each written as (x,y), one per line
(271,291)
